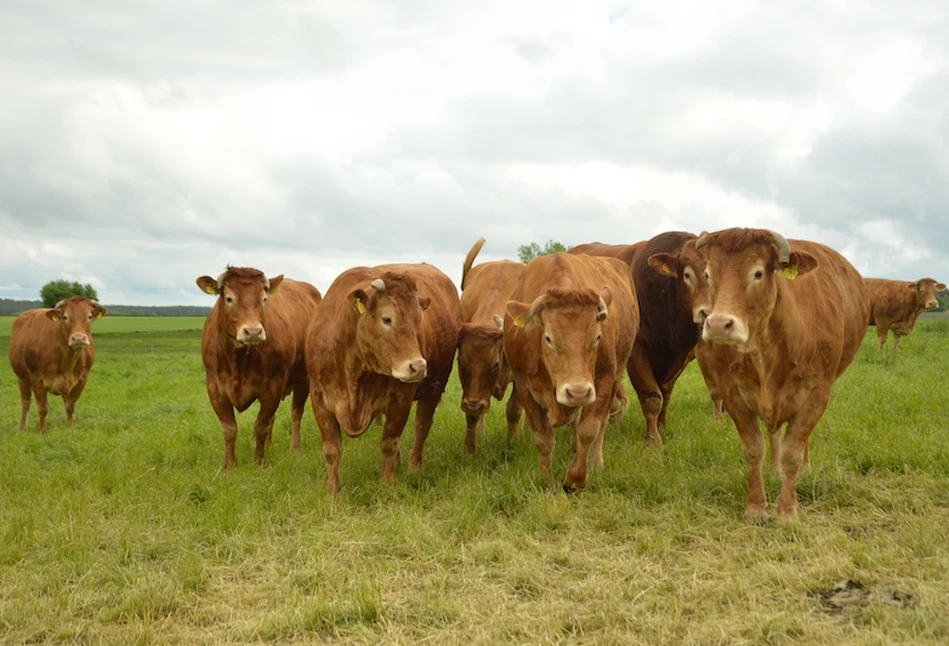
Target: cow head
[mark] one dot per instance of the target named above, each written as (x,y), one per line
(687,266)
(242,293)
(75,314)
(480,364)
(926,289)
(745,269)
(569,325)
(390,317)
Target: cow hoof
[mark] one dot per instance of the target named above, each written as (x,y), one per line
(567,489)
(759,519)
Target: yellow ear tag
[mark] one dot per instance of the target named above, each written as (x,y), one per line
(55,318)
(519,321)
(210,290)
(360,307)
(790,272)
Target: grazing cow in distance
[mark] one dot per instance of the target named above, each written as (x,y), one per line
(568,332)
(252,347)
(51,351)
(786,318)
(382,337)
(482,368)
(896,304)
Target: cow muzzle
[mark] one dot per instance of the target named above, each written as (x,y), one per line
(724,328)
(78,340)
(412,371)
(475,406)
(575,395)
(931,305)
(252,334)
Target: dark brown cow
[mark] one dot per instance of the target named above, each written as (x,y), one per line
(382,337)
(786,319)
(896,304)
(568,332)
(252,347)
(483,370)
(51,351)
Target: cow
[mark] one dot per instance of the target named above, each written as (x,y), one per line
(568,331)
(896,304)
(669,275)
(785,319)
(51,351)
(482,368)
(382,337)
(252,348)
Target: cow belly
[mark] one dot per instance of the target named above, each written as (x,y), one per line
(60,384)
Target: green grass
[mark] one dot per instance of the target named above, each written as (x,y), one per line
(122,529)
(126,324)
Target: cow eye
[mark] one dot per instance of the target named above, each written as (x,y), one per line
(549,341)
(759,275)
(229,300)
(497,364)
(89,317)
(387,320)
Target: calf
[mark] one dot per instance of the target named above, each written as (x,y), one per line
(568,331)
(382,337)
(896,304)
(252,347)
(51,351)
(482,368)
(786,318)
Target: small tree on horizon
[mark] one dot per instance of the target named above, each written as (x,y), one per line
(57,290)
(527,252)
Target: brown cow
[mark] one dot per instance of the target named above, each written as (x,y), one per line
(482,368)
(382,337)
(786,319)
(252,348)
(896,304)
(51,351)
(625,252)
(568,332)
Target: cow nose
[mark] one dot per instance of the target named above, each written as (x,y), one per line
(719,327)
(700,315)
(932,305)
(474,406)
(418,367)
(579,393)
(78,340)
(252,333)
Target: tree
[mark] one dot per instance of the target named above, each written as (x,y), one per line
(943,298)
(526,252)
(56,290)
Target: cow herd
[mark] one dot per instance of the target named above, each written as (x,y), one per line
(772,323)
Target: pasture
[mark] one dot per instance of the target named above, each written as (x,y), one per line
(121,528)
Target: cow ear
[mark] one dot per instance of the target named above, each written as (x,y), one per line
(520,312)
(207,284)
(664,263)
(358,300)
(424,302)
(940,287)
(98,311)
(274,284)
(799,264)
(55,315)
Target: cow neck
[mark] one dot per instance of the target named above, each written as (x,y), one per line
(71,358)
(773,348)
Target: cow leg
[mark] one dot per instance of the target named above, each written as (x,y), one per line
(794,449)
(424,414)
(881,337)
(774,446)
(513,414)
(26,396)
(752,444)
(42,405)
(896,340)
(589,442)
(332,442)
(543,436)
(397,414)
(297,405)
(263,427)
(225,414)
(473,423)
(71,398)
(650,396)
(620,401)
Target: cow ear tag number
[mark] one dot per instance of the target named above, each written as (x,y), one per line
(790,272)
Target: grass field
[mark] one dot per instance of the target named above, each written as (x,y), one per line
(122,529)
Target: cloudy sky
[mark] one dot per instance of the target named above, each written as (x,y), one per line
(145,143)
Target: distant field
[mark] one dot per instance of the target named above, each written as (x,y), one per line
(122,529)
(125,324)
